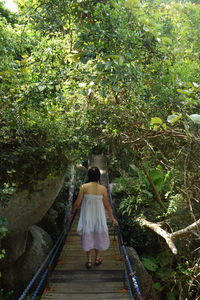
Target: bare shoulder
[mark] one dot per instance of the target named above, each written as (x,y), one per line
(102,188)
(84,186)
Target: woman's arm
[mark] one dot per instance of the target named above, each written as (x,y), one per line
(108,207)
(78,201)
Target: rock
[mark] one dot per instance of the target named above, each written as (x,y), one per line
(38,248)
(24,210)
(13,252)
(143,277)
(28,207)
(60,206)
(27,245)
(39,243)
(53,214)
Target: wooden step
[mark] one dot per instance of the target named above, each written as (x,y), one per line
(72,281)
(83,296)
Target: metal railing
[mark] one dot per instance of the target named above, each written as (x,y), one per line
(46,267)
(131,280)
(37,283)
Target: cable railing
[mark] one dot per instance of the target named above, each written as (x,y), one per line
(131,280)
(40,279)
(37,284)
(45,268)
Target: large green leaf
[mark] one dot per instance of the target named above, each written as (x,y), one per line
(185,92)
(149,263)
(173,118)
(157,177)
(156,121)
(195,118)
(157,286)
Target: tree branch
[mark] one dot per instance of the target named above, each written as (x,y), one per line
(170,237)
(194,227)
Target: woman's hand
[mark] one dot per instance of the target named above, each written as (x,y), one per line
(115,222)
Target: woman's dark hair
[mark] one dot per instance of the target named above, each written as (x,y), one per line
(93,174)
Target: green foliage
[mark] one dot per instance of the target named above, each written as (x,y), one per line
(6,192)
(195,118)
(136,200)
(3,231)
(5,295)
(164,269)
(139,190)
(149,263)
(3,227)
(5,13)
(115,76)
(157,177)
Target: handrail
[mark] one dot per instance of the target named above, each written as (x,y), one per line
(47,262)
(129,269)
(131,280)
(51,257)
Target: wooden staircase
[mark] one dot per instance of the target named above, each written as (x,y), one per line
(71,280)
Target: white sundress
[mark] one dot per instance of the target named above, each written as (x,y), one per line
(92,225)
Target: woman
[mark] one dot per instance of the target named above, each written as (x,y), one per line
(92,226)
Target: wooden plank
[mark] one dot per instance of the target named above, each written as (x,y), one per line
(79,287)
(78,267)
(72,281)
(103,296)
(102,275)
